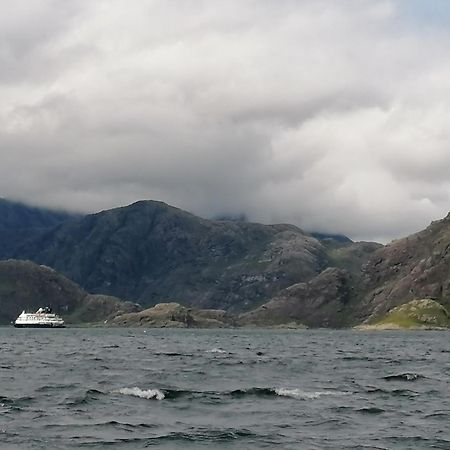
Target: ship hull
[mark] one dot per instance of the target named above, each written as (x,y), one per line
(37,325)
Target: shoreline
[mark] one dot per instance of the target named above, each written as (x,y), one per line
(357,328)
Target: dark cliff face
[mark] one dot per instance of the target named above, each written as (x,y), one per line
(20,223)
(25,285)
(151,252)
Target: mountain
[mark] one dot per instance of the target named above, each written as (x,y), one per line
(152,252)
(269,275)
(20,223)
(320,302)
(26,285)
(376,280)
(415,267)
(368,282)
(330,299)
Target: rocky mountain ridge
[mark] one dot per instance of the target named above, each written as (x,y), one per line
(415,267)
(150,252)
(261,275)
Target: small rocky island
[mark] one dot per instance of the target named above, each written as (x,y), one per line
(174,315)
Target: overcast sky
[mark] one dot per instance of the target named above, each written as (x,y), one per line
(333,115)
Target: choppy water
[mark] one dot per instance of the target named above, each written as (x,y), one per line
(176,389)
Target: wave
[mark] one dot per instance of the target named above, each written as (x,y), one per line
(216,350)
(109,423)
(192,436)
(10,405)
(5,399)
(171,394)
(356,358)
(87,397)
(160,394)
(206,435)
(304,395)
(406,376)
(394,392)
(438,414)
(19,401)
(55,387)
(254,391)
(137,392)
(298,394)
(371,410)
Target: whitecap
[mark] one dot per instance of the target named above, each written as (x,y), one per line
(148,393)
(216,350)
(304,395)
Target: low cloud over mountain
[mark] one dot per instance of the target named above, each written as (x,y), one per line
(330,115)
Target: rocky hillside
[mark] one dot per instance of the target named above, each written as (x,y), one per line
(417,266)
(20,223)
(271,275)
(320,302)
(150,252)
(329,299)
(25,285)
(372,280)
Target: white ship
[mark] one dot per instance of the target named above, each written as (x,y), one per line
(42,318)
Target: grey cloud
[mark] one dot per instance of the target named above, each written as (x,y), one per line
(28,33)
(330,115)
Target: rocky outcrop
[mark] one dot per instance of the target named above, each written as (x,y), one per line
(416,314)
(174,315)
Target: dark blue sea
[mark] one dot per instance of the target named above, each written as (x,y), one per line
(232,389)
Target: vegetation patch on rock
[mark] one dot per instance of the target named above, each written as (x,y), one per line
(416,314)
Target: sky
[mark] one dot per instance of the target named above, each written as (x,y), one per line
(333,116)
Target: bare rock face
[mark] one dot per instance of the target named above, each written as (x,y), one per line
(410,268)
(174,315)
(321,302)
